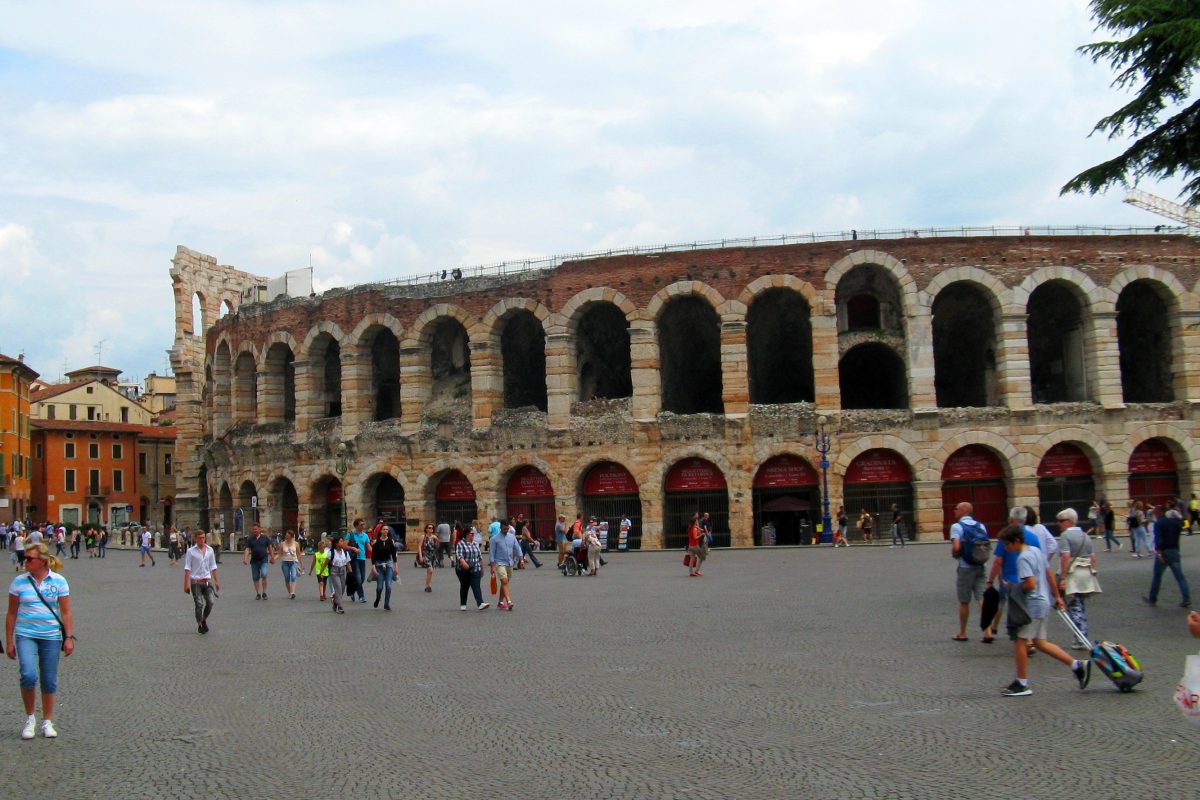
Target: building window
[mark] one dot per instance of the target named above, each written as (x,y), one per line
(16,465)
(91,389)
(73,411)
(28,467)
(69,480)
(117,453)
(124,415)
(37,451)
(93,450)
(166,463)
(118,480)
(91,411)
(49,412)
(93,481)
(141,463)
(69,450)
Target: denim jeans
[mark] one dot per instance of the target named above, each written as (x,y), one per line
(202,597)
(1110,539)
(383,582)
(337,584)
(1169,558)
(359,565)
(1137,539)
(898,534)
(39,656)
(1077,611)
(469,579)
(527,549)
(289,571)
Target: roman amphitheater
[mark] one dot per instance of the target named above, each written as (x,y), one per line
(1021,366)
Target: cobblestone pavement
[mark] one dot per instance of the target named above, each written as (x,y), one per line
(786,673)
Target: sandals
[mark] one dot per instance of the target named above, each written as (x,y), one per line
(988,639)
(958,638)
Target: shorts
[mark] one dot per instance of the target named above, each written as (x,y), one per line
(969,583)
(503,573)
(258,570)
(289,571)
(1035,629)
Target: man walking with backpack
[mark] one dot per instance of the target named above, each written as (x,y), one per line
(969,544)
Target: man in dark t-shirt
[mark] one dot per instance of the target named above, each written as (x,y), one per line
(259,554)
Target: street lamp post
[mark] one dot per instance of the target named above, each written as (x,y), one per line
(822,443)
(340,466)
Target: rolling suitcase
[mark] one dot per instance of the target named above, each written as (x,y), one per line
(1112,659)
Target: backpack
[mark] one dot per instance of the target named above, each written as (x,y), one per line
(974,547)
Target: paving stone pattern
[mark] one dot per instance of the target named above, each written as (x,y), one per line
(787,673)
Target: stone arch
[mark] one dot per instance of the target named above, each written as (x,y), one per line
(517,326)
(276,337)
(1176,437)
(1058,304)
(682,289)
(324,326)
(779,341)
(358,336)
(688,328)
(490,327)
(967,341)
(658,473)
(905,282)
(510,463)
(1092,297)
(574,309)
(1097,450)
(992,287)
(916,462)
(322,349)
(422,484)
(873,375)
(377,339)
(1149,345)
(195,322)
(277,386)
(1016,463)
(245,385)
(1169,287)
(600,350)
(777,281)
(421,332)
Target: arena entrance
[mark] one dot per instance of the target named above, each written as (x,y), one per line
(454,501)
(875,480)
(786,494)
(694,486)
(1064,481)
(530,494)
(610,494)
(1153,476)
(975,474)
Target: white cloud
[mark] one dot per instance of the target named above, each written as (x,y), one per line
(18,252)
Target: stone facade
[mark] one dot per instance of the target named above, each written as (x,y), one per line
(262,409)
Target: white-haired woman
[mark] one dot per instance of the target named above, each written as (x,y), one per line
(1077,571)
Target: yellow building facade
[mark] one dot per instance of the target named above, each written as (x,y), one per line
(16,462)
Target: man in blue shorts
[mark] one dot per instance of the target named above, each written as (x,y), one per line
(147,537)
(259,554)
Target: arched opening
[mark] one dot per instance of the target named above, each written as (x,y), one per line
(285,506)
(1064,481)
(523,352)
(222,383)
(198,326)
(529,494)
(279,379)
(1153,474)
(689,355)
(454,499)
(327,368)
(245,389)
(862,313)
(1144,339)
(779,341)
(385,499)
(202,499)
(246,514)
(610,494)
(872,375)
(602,360)
(964,347)
(1055,332)
(385,375)
(226,309)
(868,301)
(325,507)
(874,482)
(225,516)
(786,496)
(450,362)
(694,486)
(975,474)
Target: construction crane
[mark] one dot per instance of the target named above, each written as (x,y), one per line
(1164,207)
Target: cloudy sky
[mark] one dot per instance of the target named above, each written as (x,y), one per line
(382,139)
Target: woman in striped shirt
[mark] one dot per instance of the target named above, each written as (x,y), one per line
(468,565)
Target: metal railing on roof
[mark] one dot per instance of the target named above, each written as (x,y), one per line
(519,266)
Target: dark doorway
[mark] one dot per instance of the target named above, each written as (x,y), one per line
(689,355)
(964,347)
(1054,323)
(872,375)
(1144,338)
(385,375)
(450,361)
(694,486)
(602,353)
(327,355)
(523,350)
(779,343)
(281,383)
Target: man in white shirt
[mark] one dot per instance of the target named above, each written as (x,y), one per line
(200,579)
(147,538)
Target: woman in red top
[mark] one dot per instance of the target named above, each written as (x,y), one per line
(697,549)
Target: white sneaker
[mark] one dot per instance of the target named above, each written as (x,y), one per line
(484,606)
(48,729)
(462,608)
(30,727)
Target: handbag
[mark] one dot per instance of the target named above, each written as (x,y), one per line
(50,608)
(1018,617)
(495,588)
(1187,692)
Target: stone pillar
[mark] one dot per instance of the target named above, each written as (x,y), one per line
(309,403)
(1116,489)
(826,386)
(652,516)
(1185,329)
(735,378)
(918,343)
(487,383)
(927,516)
(644,372)
(270,397)
(560,378)
(222,401)
(358,402)
(1024,492)
(1012,363)
(1102,359)
(741,507)
(416,387)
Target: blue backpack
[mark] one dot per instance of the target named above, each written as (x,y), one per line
(974,547)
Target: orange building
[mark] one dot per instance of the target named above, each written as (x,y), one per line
(16,463)
(85,471)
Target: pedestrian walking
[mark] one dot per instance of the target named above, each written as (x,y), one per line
(430,546)
(897,525)
(147,539)
(76,541)
(361,542)
(320,566)
(592,541)
(200,579)
(968,580)
(865,523)
(172,546)
(1030,600)
(1077,572)
(443,536)
(1169,528)
(468,566)
(340,557)
(289,562)
(697,549)
(503,555)
(259,554)
(60,540)
(102,544)
(215,544)
(1004,566)
(528,544)
(383,566)
(1135,521)
(560,538)
(38,629)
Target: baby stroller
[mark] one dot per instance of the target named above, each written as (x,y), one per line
(576,561)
